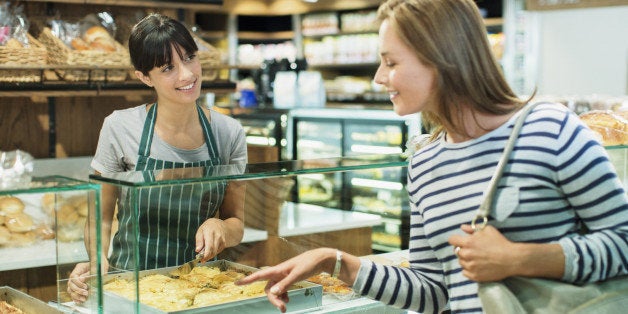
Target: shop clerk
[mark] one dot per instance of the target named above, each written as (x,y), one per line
(175,223)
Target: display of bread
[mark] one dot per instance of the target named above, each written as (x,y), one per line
(611,127)
(331,284)
(95,38)
(71,215)
(16,226)
(203,286)
(6,308)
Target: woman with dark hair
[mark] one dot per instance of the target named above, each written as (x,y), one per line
(175,223)
(435,59)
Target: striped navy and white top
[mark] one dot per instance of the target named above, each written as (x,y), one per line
(558,177)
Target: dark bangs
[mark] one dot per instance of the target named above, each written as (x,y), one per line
(151,41)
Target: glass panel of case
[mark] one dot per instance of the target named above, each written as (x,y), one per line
(42,226)
(277,226)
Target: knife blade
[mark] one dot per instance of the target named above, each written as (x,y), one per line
(187,267)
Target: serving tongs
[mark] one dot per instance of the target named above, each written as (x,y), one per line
(187,267)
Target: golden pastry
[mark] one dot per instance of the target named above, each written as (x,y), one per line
(612,128)
(5,235)
(48,203)
(22,239)
(19,222)
(11,205)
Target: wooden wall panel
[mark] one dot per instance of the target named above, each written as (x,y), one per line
(24,125)
(79,120)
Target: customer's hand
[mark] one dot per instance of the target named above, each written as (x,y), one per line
(211,238)
(282,276)
(485,255)
(78,289)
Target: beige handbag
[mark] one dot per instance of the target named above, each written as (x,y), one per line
(519,295)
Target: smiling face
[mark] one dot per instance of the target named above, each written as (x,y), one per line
(177,82)
(408,81)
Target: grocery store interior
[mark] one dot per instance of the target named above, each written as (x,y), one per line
(298,76)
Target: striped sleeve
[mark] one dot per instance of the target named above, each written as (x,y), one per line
(589,181)
(420,288)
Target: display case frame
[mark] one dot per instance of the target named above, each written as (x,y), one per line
(290,227)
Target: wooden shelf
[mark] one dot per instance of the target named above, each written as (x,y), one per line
(70,89)
(284,35)
(200,5)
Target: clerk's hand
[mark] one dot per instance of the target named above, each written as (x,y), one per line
(211,238)
(78,289)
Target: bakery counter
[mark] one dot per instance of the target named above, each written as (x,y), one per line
(44,253)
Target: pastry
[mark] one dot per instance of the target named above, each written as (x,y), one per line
(98,38)
(19,222)
(13,43)
(2,219)
(43,231)
(11,205)
(82,208)
(5,236)
(612,128)
(48,203)
(67,215)
(95,32)
(102,44)
(22,239)
(79,44)
(6,308)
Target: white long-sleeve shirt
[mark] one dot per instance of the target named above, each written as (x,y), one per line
(558,178)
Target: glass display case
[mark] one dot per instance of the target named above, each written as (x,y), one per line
(382,192)
(276,227)
(42,238)
(268,128)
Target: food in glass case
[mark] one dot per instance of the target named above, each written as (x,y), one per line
(6,308)
(611,127)
(71,214)
(17,227)
(203,286)
(330,284)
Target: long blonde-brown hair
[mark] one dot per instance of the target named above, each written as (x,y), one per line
(450,36)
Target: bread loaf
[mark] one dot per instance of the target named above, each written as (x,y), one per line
(19,222)
(611,127)
(11,205)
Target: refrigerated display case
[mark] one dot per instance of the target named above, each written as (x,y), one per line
(267,128)
(344,132)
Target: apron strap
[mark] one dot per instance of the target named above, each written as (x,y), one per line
(210,140)
(148,131)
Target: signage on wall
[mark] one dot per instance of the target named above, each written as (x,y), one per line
(537,5)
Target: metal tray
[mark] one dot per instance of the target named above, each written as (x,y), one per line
(25,302)
(305,296)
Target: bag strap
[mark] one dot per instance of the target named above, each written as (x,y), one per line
(482,214)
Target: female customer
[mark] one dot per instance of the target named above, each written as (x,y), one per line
(175,223)
(435,59)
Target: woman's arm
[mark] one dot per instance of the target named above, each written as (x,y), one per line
(487,255)
(282,276)
(227,230)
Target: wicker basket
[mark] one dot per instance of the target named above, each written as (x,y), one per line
(210,59)
(35,55)
(59,53)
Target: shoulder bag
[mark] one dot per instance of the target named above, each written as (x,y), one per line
(515,295)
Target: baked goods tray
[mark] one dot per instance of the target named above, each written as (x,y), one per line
(303,296)
(25,302)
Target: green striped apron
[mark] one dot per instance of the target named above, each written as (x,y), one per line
(169,216)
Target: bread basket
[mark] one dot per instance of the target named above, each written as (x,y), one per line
(93,65)
(209,57)
(34,55)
